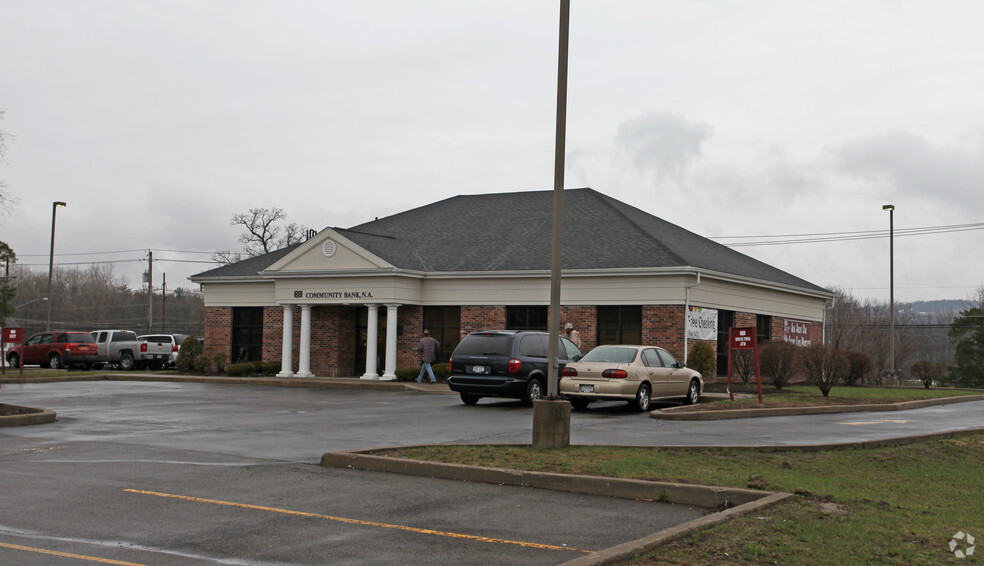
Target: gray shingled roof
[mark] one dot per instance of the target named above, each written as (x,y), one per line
(512,232)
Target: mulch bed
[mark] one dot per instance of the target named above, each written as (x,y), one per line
(8,410)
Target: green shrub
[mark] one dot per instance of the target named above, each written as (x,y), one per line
(238,370)
(219,362)
(441,371)
(407,374)
(203,363)
(703,359)
(779,360)
(859,367)
(190,349)
(270,368)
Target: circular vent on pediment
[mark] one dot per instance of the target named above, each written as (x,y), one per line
(328,248)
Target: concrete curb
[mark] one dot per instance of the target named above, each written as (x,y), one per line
(43,416)
(676,414)
(738,501)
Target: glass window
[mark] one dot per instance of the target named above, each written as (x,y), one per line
(763,327)
(526,318)
(726,320)
(651,359)
(668,360)
(573,353)
(247,334)
(620,325)
(444,325)
(533,346)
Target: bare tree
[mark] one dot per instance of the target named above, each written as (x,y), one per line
(7,200)
(264,234)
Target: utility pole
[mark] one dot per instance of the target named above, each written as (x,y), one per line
(150,290)
(163,298)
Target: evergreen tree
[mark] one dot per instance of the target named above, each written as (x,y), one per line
(967,331)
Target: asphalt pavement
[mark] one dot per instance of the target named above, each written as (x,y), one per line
(204,473)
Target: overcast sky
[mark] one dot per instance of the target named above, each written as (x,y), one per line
(156,121)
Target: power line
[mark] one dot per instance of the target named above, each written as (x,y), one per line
(823,237)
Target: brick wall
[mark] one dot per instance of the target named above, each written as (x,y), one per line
(663,326)
(218,330)
(475,318)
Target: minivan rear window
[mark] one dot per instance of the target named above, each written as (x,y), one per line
(485,345)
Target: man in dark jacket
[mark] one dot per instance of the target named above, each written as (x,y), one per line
(428,355)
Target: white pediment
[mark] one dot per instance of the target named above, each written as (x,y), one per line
(327,251)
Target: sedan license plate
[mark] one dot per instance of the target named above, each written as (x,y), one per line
(587,389)
(478,369)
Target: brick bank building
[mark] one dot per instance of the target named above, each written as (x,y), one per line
(354,302)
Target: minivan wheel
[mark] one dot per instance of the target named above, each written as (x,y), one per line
(13,360)
(54,361)
(642,399)
(534,391)
(469,399)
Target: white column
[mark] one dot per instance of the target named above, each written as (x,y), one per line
(304,363)
(390,373)
(372,338)
(287,355)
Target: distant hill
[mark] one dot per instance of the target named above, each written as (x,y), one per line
(930,307)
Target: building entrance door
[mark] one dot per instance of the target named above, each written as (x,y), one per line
(361,342)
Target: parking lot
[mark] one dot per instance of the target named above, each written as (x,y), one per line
(158,473)
(172,473)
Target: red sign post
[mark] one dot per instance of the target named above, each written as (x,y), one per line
(10,336)
(744,339)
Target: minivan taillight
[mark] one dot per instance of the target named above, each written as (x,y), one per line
(569,372)
(615,373)
(514,365)
(450,365)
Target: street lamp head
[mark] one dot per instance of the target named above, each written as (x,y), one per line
(59,203)
(888,207)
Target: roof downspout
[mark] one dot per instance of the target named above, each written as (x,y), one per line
(833,303)
(686,313)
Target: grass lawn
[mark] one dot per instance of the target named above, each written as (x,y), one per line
(809,395)
(897,505)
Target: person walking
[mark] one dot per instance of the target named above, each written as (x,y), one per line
(573,335)
(428,355)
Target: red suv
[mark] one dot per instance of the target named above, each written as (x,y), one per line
(55,350)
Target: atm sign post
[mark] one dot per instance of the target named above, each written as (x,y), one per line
(744,339)
(10,336)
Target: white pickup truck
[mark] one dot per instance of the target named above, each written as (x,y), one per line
(122,349)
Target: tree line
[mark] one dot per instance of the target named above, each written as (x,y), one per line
(95,297)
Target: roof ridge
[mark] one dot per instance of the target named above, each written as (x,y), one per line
(607,202)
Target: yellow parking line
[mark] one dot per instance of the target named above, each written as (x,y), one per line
(358,521)
(69,555)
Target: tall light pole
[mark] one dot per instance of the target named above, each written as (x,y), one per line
(891,286)
(51,257)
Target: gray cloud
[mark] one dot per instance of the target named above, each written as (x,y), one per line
(664,143)
(916,166)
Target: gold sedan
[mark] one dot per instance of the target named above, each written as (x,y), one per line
(636,374)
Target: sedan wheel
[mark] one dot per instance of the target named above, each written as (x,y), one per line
(693,393)
(534,391)
(642,399)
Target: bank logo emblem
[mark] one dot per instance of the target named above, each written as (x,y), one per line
(298,294)
(962,545)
